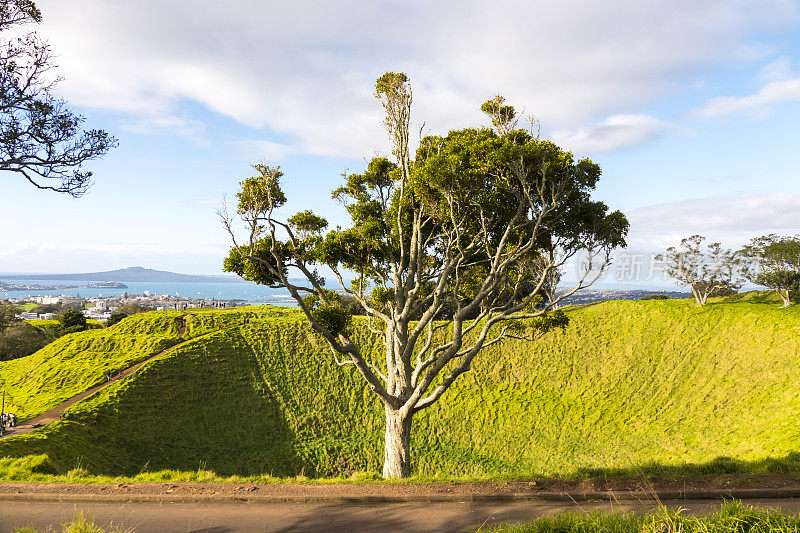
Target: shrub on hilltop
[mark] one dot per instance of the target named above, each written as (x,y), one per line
(115,318)
(20,339)
(72,320)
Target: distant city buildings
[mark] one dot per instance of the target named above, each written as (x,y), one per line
(100,308)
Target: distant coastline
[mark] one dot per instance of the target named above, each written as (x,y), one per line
(37,287)
(126,275)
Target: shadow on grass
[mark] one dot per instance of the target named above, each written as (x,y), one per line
(167,418)
(789,464)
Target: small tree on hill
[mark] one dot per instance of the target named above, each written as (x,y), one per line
(72,320)
(8,314)
(460,225)
(115,318)
(773,261)
(20,339)
(707,272)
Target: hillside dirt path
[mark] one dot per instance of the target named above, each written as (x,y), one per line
(55,413)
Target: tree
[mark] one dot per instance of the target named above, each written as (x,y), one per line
(550,277)
(72,320)
(42,309)
(21,339)
(459,225)
(8,314)
(132,308)
(40,138)
(707,273)
(115,318)
(773,261)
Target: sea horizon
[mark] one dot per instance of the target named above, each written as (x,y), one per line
(243,291)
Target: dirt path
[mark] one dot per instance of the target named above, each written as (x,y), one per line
(55,413)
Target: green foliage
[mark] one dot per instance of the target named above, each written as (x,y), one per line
(46,308)
(51,328)
(18,11)
(72,320)
(261,192)
(8,314)
(115,318)
(20,339)
(773,261)
(471,176)
(390,83)
(502,115)
(40,137)
(710,272)
(306,223)
(334,318)
(132,308)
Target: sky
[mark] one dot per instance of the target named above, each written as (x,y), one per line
(690,108)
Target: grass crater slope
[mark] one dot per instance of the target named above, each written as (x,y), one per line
(656,386)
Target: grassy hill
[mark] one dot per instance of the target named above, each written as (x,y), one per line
(628,385)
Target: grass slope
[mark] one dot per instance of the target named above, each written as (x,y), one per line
(653,384)
(78,361)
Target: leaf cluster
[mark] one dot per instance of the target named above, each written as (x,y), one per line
(40,137)
(773,261)
(8,314)
(72,320)
(710,271)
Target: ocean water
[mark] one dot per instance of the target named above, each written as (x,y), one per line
(246,291)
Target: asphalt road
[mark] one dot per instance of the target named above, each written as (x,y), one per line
(145,517)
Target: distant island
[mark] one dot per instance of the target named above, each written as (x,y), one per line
(130,274)
(37,287)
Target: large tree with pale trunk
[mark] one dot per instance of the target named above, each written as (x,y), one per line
(773,261)
(710,272)
(450,250)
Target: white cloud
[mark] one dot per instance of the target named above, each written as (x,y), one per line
(305,69)
(731,220)
(618,131)
(771,93)
(260,150)
(183,126)
(780,69)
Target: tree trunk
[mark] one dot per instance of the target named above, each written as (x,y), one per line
(397,446)
(785,297)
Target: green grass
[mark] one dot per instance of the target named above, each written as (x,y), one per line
(80,524)
(733,517)
(658,387)
(70,365)
(78,361)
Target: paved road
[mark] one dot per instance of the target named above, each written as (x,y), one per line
(313,517)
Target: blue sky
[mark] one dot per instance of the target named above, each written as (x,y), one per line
(691,109)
